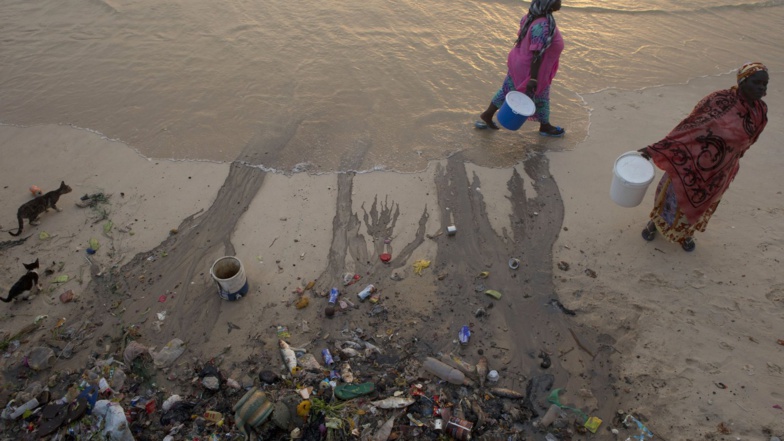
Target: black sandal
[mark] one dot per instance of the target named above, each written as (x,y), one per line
(649,233)
(688,245)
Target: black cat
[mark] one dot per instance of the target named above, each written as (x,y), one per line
(32,209)
(24,286)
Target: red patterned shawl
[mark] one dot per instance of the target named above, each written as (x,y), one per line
(702,153)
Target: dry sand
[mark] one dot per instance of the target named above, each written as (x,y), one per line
(655,331)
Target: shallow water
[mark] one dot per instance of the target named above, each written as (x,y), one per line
(344,85)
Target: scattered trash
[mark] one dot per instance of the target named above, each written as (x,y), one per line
(459,429)
(36,190)
(464,335)
(365,293)
(302,302)
(385,257)
(329,311)
(644,432)
(492,376)
(169,353)
(67,296)
(494,294)
(593,424)
(514,263)
(420,265)
(451,230)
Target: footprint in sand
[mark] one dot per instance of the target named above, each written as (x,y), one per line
(726,346)
(775,369)
(653,280)
(776,295)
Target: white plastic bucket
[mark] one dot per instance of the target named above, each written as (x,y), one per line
(632,174)
(229,274)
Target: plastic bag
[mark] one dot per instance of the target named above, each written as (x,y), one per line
(133,350)
(169,353)
(116,425)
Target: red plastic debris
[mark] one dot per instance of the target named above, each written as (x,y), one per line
(385,257)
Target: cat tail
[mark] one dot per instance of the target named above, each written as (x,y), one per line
(21,225)
(6,300)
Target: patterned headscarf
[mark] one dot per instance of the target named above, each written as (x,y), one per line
(539,8)
(750,69)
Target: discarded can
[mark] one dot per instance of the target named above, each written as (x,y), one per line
(365,293)
(464,335)
(333,295)
(327,357)
(451,230)
(459,429)
(333,298)
(438,424)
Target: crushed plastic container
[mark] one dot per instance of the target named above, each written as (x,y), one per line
(169,353)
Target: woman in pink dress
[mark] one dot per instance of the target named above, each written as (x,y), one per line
(701,156)
(532,65)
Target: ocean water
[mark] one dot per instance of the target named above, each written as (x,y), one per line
(345,85)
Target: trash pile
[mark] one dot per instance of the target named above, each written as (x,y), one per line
(355,385)
(351,388)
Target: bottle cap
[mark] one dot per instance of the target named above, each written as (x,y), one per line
(492,376)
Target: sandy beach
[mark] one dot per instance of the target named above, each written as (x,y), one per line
(687,340)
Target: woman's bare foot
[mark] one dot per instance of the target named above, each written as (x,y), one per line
(488,119)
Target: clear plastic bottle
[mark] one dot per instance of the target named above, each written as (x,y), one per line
(443,371)
(30,405)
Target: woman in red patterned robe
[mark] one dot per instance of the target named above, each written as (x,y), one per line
(701,156)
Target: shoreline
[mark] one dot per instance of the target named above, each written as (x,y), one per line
(284,231)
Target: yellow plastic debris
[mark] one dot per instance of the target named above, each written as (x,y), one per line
(593,424)
(303,409)
(420,265)
(493,293)
(43,235)
(484,274)
(94,244)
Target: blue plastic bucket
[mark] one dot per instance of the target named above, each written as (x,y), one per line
(229,275)
(516,109)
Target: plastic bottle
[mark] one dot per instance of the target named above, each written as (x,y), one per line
(327,358)
(333,299)
(365,293)
(550,416)
(30,405)
(443,371)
